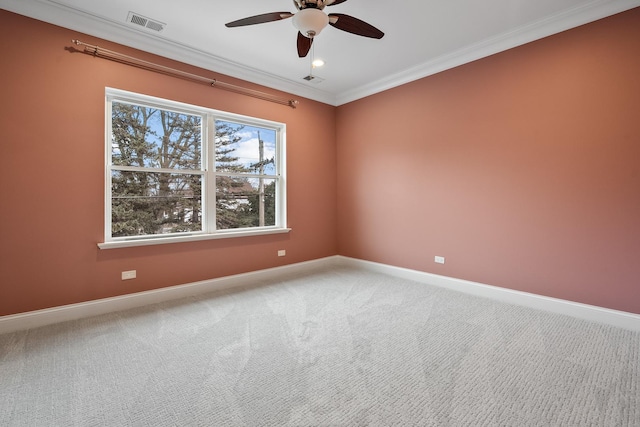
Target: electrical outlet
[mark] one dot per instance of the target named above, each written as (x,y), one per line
(128,275)
(439,259)
(282,252)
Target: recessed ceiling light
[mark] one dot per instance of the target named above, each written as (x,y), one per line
(317,63)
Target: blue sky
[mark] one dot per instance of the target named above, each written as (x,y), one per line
(247,151)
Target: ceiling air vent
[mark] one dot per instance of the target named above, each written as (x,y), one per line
(313,79)
(143,21)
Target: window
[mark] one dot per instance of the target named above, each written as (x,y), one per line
(177,172)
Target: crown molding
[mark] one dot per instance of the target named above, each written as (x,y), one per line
(563,21)
(117,32)
(61,15)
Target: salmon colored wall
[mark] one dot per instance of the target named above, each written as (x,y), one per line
(52,176)
(522,169)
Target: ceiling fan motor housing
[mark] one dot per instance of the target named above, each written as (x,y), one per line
(310,4)
(310,21)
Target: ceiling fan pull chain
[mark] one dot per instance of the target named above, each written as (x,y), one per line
(313,48)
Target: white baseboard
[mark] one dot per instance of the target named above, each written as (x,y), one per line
(621,319)
(34,319)
(48,316)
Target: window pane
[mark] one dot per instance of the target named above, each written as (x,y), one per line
(245,202)
(245,149)
(152,137)
(160,155)
(155,203)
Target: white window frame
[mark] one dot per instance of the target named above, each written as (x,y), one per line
(208,171)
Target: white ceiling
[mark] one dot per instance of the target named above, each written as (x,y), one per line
(422,37)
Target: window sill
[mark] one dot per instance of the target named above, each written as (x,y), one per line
(192,238)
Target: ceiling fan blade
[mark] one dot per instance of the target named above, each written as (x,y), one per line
(304,45)
(260,19)
(335,2)
(354,25)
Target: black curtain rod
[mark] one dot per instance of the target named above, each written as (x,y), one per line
(139,63)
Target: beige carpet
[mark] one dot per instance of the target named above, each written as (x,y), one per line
(334,347)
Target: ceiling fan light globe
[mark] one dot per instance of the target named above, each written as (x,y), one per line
(310,21)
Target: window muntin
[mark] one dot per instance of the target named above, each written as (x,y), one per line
(175,169)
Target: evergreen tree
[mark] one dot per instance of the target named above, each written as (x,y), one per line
(231,191)
(159,201)
(269,206)
(155,202)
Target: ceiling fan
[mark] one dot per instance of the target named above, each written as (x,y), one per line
(310,20)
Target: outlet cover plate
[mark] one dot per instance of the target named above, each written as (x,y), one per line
(128,275)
